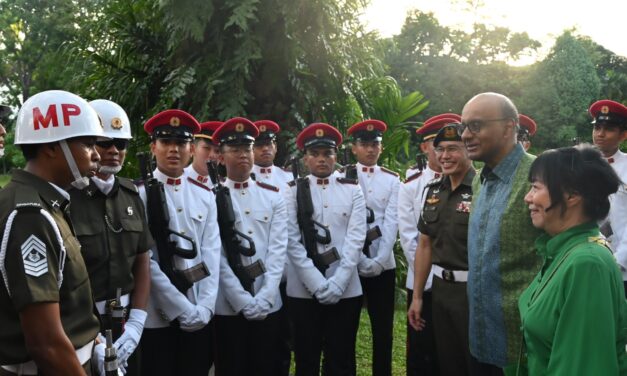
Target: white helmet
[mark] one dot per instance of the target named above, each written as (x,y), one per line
(114,119)
(55,115)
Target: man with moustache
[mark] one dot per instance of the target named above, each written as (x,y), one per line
(501,255)
(609,131)
(247,319)
(177,339)
(442,246)
(204,151)
(265,149)
(111,227)
(46,306)
(421,357)
(325,300)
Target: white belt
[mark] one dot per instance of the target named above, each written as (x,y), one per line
(101,305)
(30,368)
(450,275)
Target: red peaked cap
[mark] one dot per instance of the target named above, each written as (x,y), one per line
(431,127)
(527,123)
(208,128)
(169,124)
(368,130)
(318,134)
(235,131)
(607,111)
(267,131)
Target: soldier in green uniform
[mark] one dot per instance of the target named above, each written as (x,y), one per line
(46,307)
(443,227)
(111,227)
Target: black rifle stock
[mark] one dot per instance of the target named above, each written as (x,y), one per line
(309,227)
(159,225)
(230,236)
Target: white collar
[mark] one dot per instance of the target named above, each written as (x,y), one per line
(105,186)
(63,192)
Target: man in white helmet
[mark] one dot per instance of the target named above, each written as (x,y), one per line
(115,239)
(46,307)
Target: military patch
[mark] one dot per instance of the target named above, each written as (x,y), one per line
(34,256)
(129,210)
(466,196)
(433,200)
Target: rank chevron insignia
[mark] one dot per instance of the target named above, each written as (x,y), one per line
(34,256)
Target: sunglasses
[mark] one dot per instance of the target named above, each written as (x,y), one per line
(120,143)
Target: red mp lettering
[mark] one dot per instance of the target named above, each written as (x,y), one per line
(67,110)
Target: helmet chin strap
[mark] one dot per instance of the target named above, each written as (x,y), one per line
(80,182)
(109,170)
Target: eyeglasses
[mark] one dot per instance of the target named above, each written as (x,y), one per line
(476,126)
(120,143)
(448,149)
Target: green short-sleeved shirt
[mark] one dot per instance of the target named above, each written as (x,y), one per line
(444,219)
(112,231)
(574,312)
(40,261)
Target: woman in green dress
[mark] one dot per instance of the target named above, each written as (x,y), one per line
(574,314)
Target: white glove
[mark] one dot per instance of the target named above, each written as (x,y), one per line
(133,328)
(324,286)
(369,268)
(98,357)
(194,319)
(252,311)
(264,305)
(332,294)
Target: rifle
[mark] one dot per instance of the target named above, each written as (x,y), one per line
(111,365)
(309,234)
(350,172)
(117,313)
(230,236)
(159,225)
(421,161)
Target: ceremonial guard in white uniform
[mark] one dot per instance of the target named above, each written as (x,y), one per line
(377,268)
(204,151)
(322,282)
(177,339)
(527,129)
(264,170)
(421,358)
(247,322)
(610,130)
(265,148)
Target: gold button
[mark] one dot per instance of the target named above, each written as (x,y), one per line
(250,232)
(265,218)
(199,216)
(176,188)
(247,211)
(179,209)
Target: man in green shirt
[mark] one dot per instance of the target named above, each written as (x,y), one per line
(46,307)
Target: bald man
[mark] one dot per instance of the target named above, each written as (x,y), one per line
(501,256)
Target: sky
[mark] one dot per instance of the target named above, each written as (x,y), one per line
(603,20)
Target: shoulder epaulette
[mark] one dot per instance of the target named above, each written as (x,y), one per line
(389,171)
(267,186)
(128,184)
(600,240)
(198,184)
(347,181)
(434,181)
(291,183)
(413,177)
(27,197)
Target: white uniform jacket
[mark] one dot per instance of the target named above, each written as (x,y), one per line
(410,202)
(339,204)
(273,175)
(260,214)
(618,212)
(191,172)
(193,213)
(380,187)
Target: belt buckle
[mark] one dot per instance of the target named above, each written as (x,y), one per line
(448,275)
